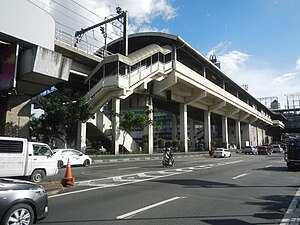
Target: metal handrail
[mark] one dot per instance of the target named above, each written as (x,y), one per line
(82,45)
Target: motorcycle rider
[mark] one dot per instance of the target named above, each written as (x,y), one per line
(168,156)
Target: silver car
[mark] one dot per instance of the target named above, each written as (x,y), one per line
(22,202)
(251,150)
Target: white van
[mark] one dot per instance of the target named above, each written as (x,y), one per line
(20,158)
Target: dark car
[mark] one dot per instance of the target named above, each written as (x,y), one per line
(264,150)
(22,202)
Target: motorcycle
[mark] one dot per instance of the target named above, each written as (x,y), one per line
(168,161)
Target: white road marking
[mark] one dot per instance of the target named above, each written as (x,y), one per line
(239,176)
(128,168)
(124,216)
(106,165)
(115,181)
(290,216)
(268,166)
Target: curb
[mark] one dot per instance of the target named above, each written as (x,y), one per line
(52,187)
(108,159)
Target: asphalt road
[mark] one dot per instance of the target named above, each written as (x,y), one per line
(241,190)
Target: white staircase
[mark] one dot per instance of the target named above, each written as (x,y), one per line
(141,67)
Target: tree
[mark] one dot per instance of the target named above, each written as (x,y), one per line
(130,121)
(59,121)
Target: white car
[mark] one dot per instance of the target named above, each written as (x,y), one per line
(76,157)
(277,148)
(221,152)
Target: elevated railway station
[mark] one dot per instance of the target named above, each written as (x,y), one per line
(158,70)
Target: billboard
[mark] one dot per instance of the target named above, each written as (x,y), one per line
(8,67)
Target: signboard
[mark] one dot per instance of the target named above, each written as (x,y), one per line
(8,67)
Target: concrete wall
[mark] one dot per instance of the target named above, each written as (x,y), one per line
(25,21)
(17,117)
(48,63)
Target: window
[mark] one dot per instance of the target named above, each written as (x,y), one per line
(8,146)
(41,150)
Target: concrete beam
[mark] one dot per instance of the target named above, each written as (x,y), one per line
(243,117)
(217,106)
(196,95)
(232,112)
(169,81)
(252,120)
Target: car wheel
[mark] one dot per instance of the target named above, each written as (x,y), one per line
(86,162)
(60,164)
(21,213)
(37,176)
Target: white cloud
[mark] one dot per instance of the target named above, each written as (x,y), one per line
(147,28)
(261,81)
(233,61)
(219,49)
(298,64)
(74,15)
(283,78)
(139,12)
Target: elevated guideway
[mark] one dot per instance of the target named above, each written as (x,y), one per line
(133,74)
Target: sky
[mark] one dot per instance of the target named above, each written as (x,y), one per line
(256,41)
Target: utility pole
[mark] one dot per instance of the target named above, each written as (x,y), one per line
(121,14)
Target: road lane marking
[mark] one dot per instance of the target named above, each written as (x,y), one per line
(268,166)
(128,168)
(115,181)
(239,176)
(132,213)
(291,217)
(105,165)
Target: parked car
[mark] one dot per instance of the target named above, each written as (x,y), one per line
(264,150)
(22,202)
(250,150)
(90,150)
(221,152)
(76,157)
(277,148)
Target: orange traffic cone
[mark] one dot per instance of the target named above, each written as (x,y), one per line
(68,180)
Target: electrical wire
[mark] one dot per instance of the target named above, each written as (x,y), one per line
(53,9)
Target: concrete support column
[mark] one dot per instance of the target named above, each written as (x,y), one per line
(115,126)
(150,127)
(81,136)
(238,134)
(183,126)
(225,131)
(174,57)
(174,127)
(15,117)
(207,130)
(192,134)
(247,134)
(257,140)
